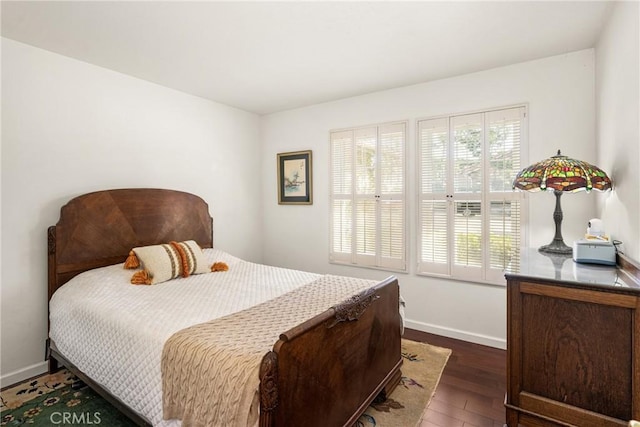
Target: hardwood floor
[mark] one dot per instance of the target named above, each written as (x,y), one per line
(471,390)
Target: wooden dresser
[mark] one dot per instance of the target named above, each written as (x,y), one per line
(573,343)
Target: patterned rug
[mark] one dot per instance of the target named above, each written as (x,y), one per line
(421,370)
(50,400)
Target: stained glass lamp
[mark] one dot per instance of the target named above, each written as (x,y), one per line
(561,174)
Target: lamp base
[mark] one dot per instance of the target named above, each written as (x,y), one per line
(556,247)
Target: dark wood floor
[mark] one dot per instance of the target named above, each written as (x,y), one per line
(471,390)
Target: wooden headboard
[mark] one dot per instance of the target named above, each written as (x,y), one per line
(99,229)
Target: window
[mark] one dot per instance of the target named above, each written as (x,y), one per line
(469,218)
(368,196)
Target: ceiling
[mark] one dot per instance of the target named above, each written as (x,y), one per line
(265,57)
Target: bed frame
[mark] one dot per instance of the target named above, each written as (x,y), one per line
(325,371)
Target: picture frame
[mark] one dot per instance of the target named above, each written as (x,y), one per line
(295,175)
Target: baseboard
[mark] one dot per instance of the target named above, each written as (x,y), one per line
(23,374)
(495,342)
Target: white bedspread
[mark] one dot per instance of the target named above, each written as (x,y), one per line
(105,325)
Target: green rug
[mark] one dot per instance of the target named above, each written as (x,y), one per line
(49,400)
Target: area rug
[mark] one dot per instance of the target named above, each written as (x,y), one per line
(50,400)
(421,371)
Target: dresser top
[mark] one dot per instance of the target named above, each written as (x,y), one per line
(539,266)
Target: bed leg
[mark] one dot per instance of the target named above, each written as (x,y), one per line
(53,363)
(268,389)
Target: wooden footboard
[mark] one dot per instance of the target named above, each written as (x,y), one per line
(326,371)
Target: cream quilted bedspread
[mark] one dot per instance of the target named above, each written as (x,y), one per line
(210,370)
(115,332)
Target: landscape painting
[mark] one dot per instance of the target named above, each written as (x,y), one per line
(294,178)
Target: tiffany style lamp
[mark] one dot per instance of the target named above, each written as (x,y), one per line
(561,174)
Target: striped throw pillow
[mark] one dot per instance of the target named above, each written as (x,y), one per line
(193,261)
(171,260)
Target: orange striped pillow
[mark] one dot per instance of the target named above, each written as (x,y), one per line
(171,260)
(193,261)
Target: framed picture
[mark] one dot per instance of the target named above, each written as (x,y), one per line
(294,178)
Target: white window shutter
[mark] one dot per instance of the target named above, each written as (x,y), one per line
(506,129)
(391,200)
(505,143)
(467,153)
(505,236)
(374,196)
(468,239)
(341,229)
(392,234)
(342,172)
(366,225)
(392,158)
(433,236)
(467,146)
(469,219)
(433,216)
(342,163)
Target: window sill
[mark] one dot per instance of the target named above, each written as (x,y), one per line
(369,267)
(502,284)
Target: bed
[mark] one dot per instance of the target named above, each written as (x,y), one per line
(325,370)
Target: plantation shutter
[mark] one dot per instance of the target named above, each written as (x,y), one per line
(467,142)
(433,217)
(366,144)
(469,219)
(368,196)
(505,132)
(391,200)
(342,196)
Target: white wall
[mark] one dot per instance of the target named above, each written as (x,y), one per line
(560,94)
(69,128)
(618,123)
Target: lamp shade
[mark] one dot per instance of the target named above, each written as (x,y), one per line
(561,174)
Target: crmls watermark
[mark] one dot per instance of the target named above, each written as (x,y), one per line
(70,418)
